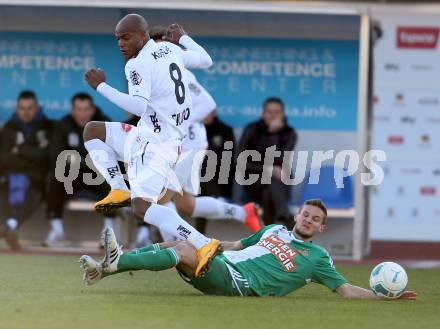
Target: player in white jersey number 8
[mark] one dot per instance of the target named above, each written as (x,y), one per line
(157,93)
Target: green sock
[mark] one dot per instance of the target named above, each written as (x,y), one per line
(152,260)
(137,251)
(151,247)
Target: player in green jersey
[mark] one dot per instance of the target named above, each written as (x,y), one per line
(271,262)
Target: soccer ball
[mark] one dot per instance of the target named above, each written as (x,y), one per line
(388,280)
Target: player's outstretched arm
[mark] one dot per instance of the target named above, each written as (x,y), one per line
(350,291)
(195,55)
(135,105)
(233,246)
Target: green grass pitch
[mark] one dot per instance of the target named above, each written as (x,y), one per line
(47,292)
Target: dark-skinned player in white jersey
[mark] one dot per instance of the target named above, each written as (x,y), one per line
(158,94)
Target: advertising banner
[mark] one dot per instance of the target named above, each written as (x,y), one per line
(407,127)
(317,79)
(53,65)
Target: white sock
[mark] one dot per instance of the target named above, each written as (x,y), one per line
(11,223)
(104,159)
(211,208)
(108,222)
(166,236)
(143,234)
(170,222)
(56,225)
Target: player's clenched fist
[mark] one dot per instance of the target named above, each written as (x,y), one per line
(94,77)
(174,33)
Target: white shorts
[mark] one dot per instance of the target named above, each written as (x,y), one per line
(116,134)
(187,170)
(150,161)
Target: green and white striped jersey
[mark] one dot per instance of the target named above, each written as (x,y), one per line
(276,263)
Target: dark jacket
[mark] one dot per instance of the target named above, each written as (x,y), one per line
(24,148)
(257,137)
(67,135)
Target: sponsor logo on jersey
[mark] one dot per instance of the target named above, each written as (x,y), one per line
(417,37)
(155,122)
(163,51)
(182,116)
(282,251)
(135,78)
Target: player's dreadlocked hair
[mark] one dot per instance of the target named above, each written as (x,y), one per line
(157,32)
(321,205)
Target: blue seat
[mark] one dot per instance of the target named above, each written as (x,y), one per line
(326,188)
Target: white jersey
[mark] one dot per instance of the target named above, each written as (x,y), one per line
(202,105)
(156,74)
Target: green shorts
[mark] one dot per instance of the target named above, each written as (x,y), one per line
(222,279)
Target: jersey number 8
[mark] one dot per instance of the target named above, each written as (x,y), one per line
(178,84)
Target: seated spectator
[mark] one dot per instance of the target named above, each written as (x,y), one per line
(68,135)
(24,147)
(271,130)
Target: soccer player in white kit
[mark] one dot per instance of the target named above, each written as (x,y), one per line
(189,164)
(158,93)
(187,169)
